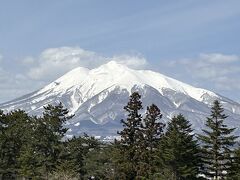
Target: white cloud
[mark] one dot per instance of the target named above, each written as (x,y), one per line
(227,83)
(219,69)
(216,58)
(56,61)
(15,85)
(35,72)
(132,61)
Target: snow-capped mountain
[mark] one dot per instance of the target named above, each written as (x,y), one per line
(97,98)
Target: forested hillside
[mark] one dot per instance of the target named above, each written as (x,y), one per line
(35,147)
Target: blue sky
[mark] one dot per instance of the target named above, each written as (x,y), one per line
(196,42)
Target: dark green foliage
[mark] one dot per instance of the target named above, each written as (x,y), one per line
(34,147)
(41,153)
(119,162)
(30,146)
(152,131)
(130,137)
(31,159)
(50,134)
(234,172)
(217,153)
(12,136)
(98,163)
(179,150)
(152,128)
(74,151)
(54,118)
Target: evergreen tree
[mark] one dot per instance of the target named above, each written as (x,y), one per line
(118,160)
(31,159)
(152,128)
(234,172)
(76,150)
(55,117)
(152,131)
(40,153)
(71,157)
(130,137)
(179,150)
(98,163)
(217,143)
(51,132)
(14,126)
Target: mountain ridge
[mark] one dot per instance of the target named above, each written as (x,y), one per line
(100,94)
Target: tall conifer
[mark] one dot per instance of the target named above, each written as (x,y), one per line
(14,126)
(131,136)
(41,151)
(217,143)
(152,131)
(179,150)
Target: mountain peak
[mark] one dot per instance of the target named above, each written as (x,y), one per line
(117,74)
(100,94)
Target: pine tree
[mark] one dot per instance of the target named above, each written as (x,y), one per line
(98,163)
(217,142)
(30,162)
(118,160)
(71,156)
(31,157)
(234,172)
(40,153)
(152,131)
(14,126)
(51,132)
(55,117)
(131,136)
(179,150)
(152,128)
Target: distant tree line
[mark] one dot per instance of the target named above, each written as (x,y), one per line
(33,147)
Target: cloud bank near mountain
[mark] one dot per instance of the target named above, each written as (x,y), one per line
(32,72)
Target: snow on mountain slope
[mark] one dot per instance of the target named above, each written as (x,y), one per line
(97,98)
